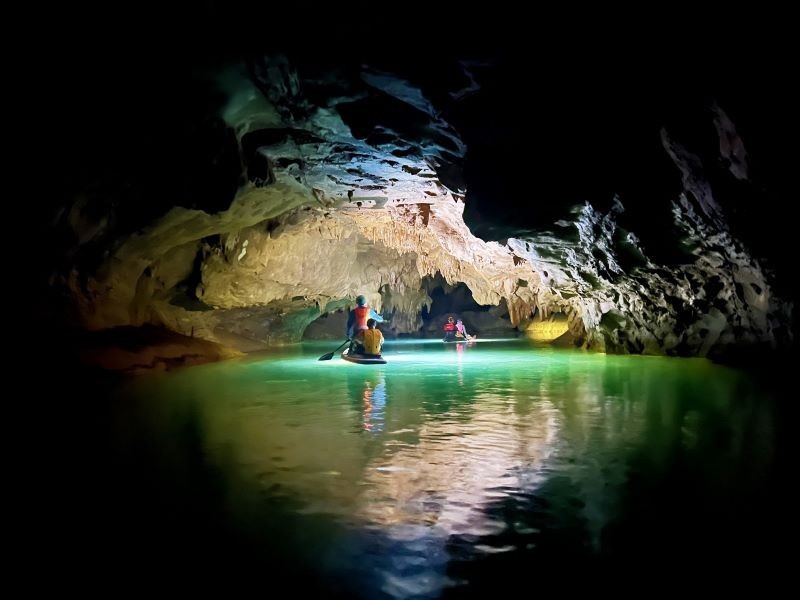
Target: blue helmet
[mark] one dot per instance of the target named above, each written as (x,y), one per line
(361,300)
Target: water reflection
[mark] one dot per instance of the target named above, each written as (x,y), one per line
(459,455)
(460,350)
(373,402)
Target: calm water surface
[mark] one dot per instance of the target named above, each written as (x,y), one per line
(451,471)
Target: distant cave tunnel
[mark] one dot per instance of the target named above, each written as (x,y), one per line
(446,299)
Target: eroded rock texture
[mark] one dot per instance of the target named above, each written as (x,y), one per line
(349,181)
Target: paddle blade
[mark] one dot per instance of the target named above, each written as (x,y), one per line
(329,355)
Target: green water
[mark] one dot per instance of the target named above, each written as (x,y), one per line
(451,471)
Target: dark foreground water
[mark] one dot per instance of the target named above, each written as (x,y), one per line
(452,471)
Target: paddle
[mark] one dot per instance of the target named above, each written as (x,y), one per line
(329,355)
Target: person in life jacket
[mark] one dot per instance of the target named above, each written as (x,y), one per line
(357,319)
(370,340)
(450,330)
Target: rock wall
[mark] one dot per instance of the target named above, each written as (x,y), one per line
(351,184)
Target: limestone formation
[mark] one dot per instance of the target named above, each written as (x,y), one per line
(353,186)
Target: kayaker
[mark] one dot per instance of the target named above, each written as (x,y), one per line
(357,321)
(450,330)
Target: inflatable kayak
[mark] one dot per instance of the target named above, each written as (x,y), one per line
(363,359)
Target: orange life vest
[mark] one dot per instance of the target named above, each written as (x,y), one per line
(362,314)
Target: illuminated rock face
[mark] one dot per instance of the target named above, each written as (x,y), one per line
(721,298)
(353,187)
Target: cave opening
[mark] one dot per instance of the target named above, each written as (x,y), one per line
(457,300)
(446,298)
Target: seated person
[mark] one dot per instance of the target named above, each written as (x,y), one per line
(369,341)
(461,331)
(450,330)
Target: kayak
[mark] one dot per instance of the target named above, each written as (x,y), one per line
(363,359)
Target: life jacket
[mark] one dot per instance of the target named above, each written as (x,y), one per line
(449,326)
(362,314)
(372,341)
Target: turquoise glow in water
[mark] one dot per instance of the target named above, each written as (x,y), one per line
(451,470)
